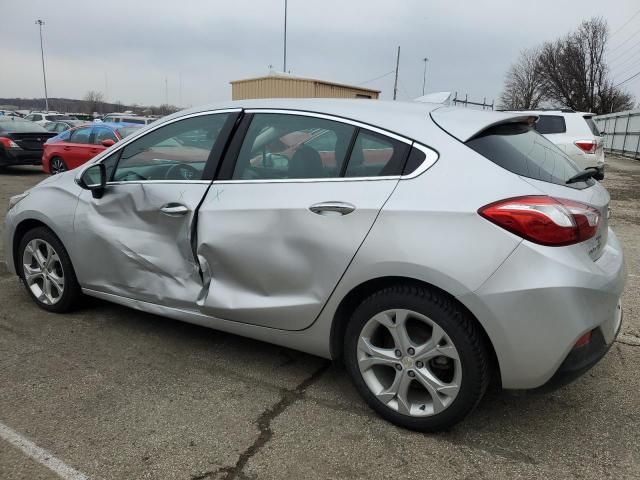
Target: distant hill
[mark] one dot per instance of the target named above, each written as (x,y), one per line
(68,105)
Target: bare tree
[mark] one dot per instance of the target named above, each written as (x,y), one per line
(94,101)
(523,83)
(575,72)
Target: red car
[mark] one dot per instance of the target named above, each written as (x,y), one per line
(78,145)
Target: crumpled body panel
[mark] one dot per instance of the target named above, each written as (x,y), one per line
(130,248)
(267,259)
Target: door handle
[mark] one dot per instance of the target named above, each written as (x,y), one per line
(174,209)
(67,148)
(341,208)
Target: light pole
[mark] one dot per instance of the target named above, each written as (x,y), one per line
(284,62)
(40,23)
(424,75)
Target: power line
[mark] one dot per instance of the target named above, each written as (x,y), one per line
(628,79)
(621,44)
(377,78)
(626,23)
(630,49)
(628,68)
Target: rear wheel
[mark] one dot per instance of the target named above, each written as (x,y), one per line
(46,271)
(416,357)
(57,165)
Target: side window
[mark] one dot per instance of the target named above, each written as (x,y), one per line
(281,146)
(80,135)
(51,127)
(376,155)
(548,124)
(61,127)
(178,151)
(101,133)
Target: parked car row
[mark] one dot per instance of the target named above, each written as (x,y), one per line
(59,145)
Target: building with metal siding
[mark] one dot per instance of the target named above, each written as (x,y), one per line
(287,86)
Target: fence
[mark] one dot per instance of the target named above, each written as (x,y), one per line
(621,132)
(465,102)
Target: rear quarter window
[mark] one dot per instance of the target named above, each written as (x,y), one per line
(521,150)
(549,124)
(592,126)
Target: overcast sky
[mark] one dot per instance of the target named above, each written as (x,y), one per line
(126,49)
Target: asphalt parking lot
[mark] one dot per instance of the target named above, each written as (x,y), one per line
(115,393)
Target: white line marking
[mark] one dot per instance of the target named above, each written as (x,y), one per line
(40,455)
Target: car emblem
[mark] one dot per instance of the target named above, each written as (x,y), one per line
(39,139)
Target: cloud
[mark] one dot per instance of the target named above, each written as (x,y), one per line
(202,45)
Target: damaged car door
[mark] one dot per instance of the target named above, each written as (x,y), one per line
(137,237)
(295,198)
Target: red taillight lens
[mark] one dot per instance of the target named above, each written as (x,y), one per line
(8,143)
(587,146)
(583,340)
(544,220)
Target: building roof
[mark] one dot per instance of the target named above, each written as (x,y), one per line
(285,76)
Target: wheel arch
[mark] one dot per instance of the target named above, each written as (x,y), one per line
(360,292)
(21,229)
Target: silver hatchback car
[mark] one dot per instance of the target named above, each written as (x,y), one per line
(428,248)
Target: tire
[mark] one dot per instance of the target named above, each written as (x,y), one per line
(439,330)
(57,165)
(57,266)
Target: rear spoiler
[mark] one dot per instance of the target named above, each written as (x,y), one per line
(465,123)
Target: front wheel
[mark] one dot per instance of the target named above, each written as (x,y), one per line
(416,357)
(46,271)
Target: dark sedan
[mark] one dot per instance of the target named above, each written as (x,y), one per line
(21,141)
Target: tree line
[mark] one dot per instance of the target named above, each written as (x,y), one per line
(93,101)
(570,72)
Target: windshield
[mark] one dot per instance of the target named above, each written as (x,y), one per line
(523,151)
(55,118)
(12,124)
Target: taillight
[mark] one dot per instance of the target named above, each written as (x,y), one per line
(8,143)
(587,146)
(544,220)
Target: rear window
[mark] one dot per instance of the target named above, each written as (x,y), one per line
(592,126)
(547,124)
(521,150)
(10,124)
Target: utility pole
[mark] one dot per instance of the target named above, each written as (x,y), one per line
(106,87)
(284,62)
(180,89)
(40,23)
(424,75)
(166,91)
(395,83)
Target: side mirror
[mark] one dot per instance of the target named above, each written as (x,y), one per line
(107,142)
(94,179)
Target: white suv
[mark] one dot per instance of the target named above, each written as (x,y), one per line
(43,118)
(574,132)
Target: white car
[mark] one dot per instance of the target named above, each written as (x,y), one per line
(575,133)
(43,118)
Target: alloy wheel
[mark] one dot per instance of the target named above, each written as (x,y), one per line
(57,166)
(43,271)
(409,363)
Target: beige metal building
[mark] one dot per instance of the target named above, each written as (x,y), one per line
(287,86)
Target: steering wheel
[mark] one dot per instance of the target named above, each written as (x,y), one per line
(181,171)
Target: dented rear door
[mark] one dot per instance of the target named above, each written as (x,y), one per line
(273,249)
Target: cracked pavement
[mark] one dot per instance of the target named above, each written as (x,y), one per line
(120,394)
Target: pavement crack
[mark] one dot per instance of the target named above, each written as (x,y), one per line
(289,397)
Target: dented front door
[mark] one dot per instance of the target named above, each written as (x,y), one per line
(136,242)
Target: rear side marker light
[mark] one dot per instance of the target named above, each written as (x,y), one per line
(584,340)
(544,220)
(587,146)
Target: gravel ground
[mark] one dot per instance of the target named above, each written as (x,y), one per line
(116,393)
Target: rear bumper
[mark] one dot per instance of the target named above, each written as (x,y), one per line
(541,301)
(581,359)
(17,156)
